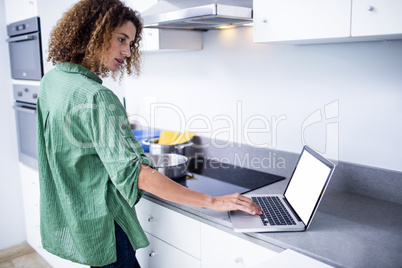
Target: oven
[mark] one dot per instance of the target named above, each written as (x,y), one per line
(25,49)
(25,114)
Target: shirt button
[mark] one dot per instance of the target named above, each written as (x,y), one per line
(123,126)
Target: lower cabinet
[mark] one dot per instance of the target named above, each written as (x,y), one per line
(221,249)
(162,254)
(174,228)
(180,241)
(174,238)
(30,192)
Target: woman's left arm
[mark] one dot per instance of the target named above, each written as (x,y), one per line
(156,183)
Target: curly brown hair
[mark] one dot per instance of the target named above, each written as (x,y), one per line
(84,33)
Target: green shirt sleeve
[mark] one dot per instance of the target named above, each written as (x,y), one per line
(116,145)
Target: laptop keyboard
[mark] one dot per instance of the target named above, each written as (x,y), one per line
(275,212)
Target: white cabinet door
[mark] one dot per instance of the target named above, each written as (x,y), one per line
(290,258)
(376,17)
(30,191)
(161,254)
(172,227)
(220,249)
(17,10)
(290,20)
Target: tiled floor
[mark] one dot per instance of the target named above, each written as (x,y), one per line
(20,256)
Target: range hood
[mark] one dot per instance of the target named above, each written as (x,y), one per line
(198,14)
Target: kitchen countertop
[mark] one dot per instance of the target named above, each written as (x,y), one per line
(348,230)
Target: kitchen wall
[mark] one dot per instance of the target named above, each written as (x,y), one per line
(345,100)
(12,230)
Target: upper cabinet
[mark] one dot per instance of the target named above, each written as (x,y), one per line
(377,18)
(326,21)
(290,20)
(17,10)
(163,39)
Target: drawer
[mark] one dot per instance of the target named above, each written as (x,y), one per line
(170,226)
(161,254)
(221,249)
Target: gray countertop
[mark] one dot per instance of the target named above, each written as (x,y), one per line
(349,230)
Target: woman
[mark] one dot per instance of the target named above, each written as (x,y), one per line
(92,169)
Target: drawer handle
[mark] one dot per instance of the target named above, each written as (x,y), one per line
(152,253)
(150,219)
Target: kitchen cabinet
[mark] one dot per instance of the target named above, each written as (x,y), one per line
(374,18)
(289,20)
(173,237)
(165,39)
(315,21)
(221,249)
(30,192)
(17,10)
(290,258)
(162,254)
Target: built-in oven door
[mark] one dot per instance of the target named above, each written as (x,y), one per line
(25,57)
(25,50)
(26,122)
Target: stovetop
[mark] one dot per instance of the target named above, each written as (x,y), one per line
(217,178)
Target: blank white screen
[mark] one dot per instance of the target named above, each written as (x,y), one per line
(306,185)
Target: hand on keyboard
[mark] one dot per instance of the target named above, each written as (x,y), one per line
(236,202)
(274,211)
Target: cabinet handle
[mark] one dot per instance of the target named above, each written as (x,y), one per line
(150,219)
(264,20)
(239,260)
(20,38)
(370,8)
(152,253)
(24,109)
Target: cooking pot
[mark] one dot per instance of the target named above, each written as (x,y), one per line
(155,148)
(173,166)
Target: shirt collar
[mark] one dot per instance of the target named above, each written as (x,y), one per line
(76,68)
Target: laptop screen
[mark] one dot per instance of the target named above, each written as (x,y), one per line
(307,183)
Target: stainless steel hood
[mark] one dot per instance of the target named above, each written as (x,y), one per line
(198,14)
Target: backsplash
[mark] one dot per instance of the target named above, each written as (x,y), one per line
(342,99)
(348,177)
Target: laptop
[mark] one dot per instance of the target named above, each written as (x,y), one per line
(297,205)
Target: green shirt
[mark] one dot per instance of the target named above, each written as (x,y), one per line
(89,162)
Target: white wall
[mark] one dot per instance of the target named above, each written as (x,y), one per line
(345,100)
(12,230)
